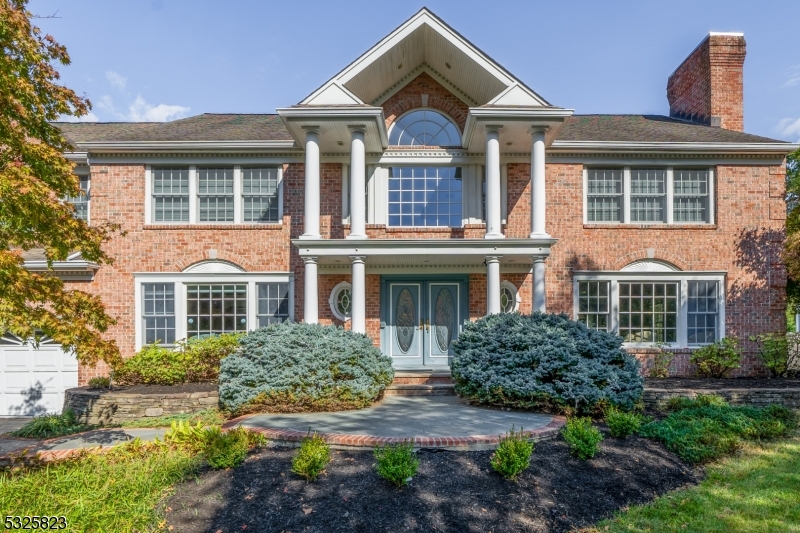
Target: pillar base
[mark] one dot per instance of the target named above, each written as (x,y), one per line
(539,236)
(494,236)
(351,236)
(307,237)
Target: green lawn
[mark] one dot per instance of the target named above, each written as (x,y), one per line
(753,492)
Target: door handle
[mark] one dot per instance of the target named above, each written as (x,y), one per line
(427,324)
(421,324)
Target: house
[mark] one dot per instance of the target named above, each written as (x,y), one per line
(424,186)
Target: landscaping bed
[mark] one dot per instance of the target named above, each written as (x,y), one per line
(452,491)
(724,383)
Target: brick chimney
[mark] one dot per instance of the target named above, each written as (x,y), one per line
(707,88)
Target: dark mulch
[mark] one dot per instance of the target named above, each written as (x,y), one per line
(166,389)
(453,491)
(717,384)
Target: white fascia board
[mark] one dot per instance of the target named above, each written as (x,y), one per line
(293,115)
(79,158)
(375,247)
(711,147)
(605,275)
(61,266)
(550,117)
(186,146)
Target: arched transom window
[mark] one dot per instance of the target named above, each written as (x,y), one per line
(424,127)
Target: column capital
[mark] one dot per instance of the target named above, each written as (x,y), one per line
(310,129)
(538,259)
(493,128)
(358,258)
(310,260)
(493,258)
(357,128)
(535,130)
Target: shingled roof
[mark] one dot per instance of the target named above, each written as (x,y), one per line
(237,127)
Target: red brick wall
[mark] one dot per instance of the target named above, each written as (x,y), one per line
(410,97)
(709,83)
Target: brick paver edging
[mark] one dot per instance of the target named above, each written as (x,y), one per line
(368,441)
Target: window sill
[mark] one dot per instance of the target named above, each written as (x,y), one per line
(694,227)
(208,226)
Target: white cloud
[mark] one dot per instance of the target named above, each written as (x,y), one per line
(141,110)
(118,81)
(790,127)
(106,103)
(89,117)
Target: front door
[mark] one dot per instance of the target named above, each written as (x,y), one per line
(422,319)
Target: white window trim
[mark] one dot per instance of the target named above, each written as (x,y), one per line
(681,277)
(465,178)
(513,288)
(181,279)
(194,204)
(626,195)
(334,295)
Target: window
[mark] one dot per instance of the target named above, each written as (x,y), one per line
(664,195)
(158,314)
(81,202)
(215,194)
(593,304)
(425,196)
(273,303)
(171,194)
(509,297)
(341,301)
(648,312)
(702,312)
(424,127)
(260,194)
(215,308)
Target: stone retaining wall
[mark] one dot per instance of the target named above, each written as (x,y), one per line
(658,398)
(112,407)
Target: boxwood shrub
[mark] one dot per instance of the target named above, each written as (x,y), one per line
(295,367)
(545,362)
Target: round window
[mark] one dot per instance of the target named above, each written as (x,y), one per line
(341,301)
(509,297)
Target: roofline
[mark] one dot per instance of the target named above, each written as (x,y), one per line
(62,266)
(694,147)
(135,146)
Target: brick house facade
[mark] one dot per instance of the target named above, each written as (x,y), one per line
(664,229)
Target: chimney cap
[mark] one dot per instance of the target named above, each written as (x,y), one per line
(726,33)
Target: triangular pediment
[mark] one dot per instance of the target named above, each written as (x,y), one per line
(424,42)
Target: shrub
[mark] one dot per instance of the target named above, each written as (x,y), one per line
(717,359)
(186,435)
(207,417)
(99,383)
(295,367)
(192,361)
(311,458)
(779,352)
(52,425)
(513,454)
(661,362)
(701,400)
(621,424)
(582,437)
(707,428)
(543,361)
(396,462)
(229,449)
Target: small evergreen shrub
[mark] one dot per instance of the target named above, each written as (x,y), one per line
(717,359)
(513,454)
(622,424)
(186,435)
(701,400)
(661,362)
(543,362)
(312,457)
(99,382)
(778,352)
(582,437)
(296,367)
(51,425)
(396,462)
(229,449)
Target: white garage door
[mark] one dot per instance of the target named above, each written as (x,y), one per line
(33,381)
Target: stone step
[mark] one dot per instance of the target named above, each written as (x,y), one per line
(422,378)
(420,389)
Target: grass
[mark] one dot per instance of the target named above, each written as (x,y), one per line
(753,492)
(208,417)
(115,491)
(52,425)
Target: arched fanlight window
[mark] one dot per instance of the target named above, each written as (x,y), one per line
(424,127)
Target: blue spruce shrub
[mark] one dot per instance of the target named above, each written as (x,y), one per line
(292,367)
(544,361)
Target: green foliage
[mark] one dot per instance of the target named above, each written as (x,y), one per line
(582,437)
(99,383)
(621,423)
(206,417)
(186,435)
(780,352)
(701,400)
(194,361)
(717,359)
(311,458)
(295,367)
(396,462)
(545,362)
(52,425)
(661,362)
(707,428)
(513,454)
(229,449)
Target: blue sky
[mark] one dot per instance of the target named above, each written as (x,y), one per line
(166,59)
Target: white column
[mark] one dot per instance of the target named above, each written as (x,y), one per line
(311,214)
(494,229)
(492,284)
(310,299)
(538,194)
(539,298)
(358,291)
(357,185)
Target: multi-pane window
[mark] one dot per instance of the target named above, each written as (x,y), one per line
(702,312)
(273,303)
(690,196)
(215,308)
(424,127)
(648,195)
(170,194)
(648,312)
(260,194)
(425,196)
(593,304)
(215,194)
(81,202)
(508,299)
(158,313)
(604,195)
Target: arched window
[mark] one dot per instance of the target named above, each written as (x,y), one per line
(424,127)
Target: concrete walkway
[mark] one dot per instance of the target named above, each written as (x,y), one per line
(88,439)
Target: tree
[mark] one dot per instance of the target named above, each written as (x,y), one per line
(791,254)
(34,177)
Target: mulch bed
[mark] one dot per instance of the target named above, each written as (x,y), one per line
(453,491)
(166,389)
(717,384)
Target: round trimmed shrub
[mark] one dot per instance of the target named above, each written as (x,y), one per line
(294,367)
(546,362)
